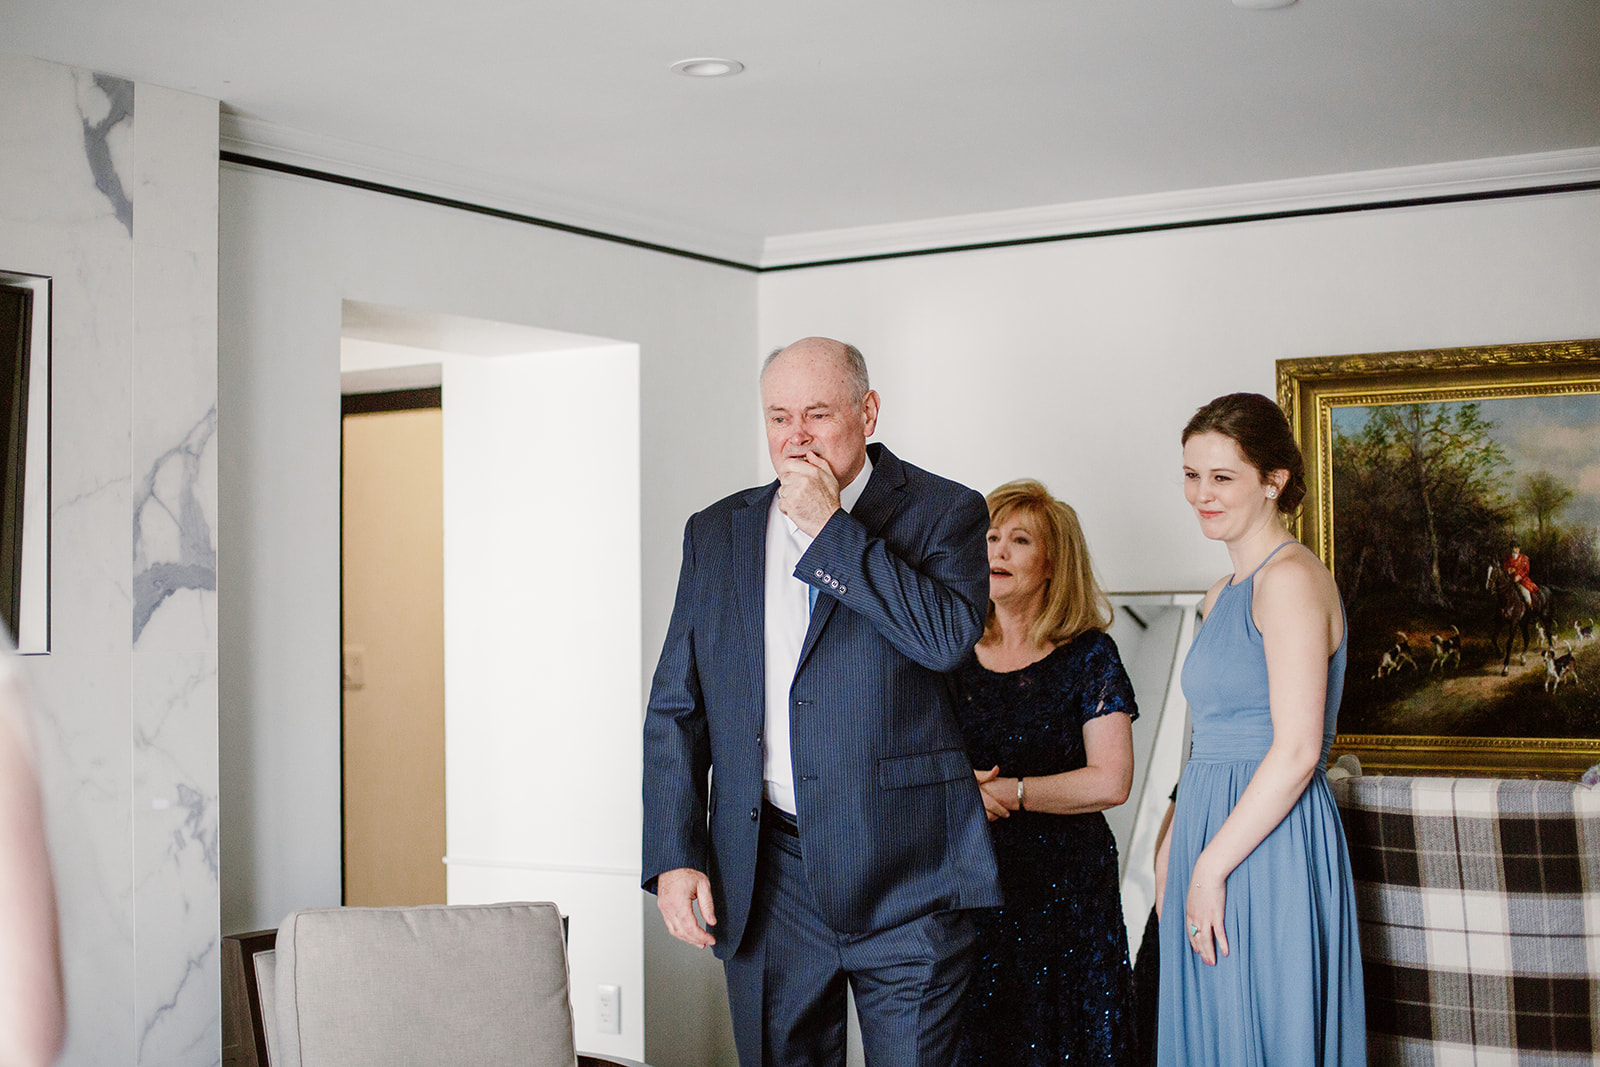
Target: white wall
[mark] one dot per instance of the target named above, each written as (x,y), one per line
(541,630)
(291,252)
(109,189)
(1079,362)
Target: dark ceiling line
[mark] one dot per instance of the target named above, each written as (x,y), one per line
(466,205)
(1189,224)
(976,246)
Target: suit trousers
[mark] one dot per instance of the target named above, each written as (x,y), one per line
(786,984)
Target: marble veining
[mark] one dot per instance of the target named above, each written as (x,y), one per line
(199,825)
(85,766)
(97,144)
(167,501)
(202,967)
(176,858)
(93,491)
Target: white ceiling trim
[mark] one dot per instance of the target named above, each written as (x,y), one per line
(346,159)
(1164,209)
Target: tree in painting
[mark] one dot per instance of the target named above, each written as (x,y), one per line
(1420,497)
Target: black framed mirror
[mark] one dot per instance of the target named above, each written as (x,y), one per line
(25,449)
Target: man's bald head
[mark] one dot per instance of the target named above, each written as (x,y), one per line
(815,402)
(847,356)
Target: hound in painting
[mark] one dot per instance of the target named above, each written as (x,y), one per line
(1582,632)
(1558,669)
(1446,649)
(1396,656)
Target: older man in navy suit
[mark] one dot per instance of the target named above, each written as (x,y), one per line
(805,783)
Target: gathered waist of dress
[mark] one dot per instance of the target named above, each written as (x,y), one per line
(1233,746)
(1238,744)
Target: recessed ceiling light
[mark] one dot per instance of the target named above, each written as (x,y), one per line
(707,67)
(1261,5)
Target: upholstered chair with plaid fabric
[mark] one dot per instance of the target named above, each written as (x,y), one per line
(1479,903)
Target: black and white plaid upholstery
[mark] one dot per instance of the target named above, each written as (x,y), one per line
(1479,902)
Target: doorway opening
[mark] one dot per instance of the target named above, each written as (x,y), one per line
(392,621)
(539,449)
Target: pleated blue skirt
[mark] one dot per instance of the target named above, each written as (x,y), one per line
(1289,993)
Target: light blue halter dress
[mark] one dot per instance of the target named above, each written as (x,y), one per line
(1289,994)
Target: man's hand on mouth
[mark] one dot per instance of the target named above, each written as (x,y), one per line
(807,491)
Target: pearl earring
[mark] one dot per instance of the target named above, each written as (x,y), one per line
(1272,493)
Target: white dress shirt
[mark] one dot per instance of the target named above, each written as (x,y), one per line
(788,617)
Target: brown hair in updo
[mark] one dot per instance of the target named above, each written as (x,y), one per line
(1261,430)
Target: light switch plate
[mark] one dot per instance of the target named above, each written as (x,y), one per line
(355,667)
(608,1019)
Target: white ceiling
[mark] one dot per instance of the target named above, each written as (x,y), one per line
(850,113)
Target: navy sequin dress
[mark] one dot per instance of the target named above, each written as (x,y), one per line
(1053,985)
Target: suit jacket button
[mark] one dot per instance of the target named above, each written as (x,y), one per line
(842,589)
(755,814)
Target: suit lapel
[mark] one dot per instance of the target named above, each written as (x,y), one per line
(879,501)
(883,495)
(750,581)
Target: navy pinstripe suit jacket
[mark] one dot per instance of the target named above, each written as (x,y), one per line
(892,823)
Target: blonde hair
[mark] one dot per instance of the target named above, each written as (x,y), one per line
(1074,602)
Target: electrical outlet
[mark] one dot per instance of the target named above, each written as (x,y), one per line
(608,1017)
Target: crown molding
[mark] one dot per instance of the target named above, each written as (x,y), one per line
(1389,187)
(1158,210)
(346,159)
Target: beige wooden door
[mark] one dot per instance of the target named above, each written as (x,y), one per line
(393,586)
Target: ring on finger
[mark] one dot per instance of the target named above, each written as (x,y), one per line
(1194,931)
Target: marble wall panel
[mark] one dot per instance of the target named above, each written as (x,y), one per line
(174,629)
(82,707)
(91,361)
(175,858)
(128,694)
(175,172)
(69,138)
(174,397)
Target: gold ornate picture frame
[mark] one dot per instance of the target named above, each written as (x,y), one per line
(1423,468)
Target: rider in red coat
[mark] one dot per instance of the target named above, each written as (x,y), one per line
(1516,565)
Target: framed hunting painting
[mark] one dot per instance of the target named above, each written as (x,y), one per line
(1455,495)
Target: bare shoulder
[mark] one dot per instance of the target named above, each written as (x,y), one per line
(1295,589)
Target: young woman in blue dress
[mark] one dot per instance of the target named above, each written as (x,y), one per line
(1260,962)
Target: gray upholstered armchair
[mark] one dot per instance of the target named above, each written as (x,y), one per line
(434,986)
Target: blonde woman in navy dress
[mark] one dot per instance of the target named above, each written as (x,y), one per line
(1260,962)
(1046,710)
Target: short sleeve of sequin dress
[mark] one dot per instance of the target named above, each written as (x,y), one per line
(1053,983)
